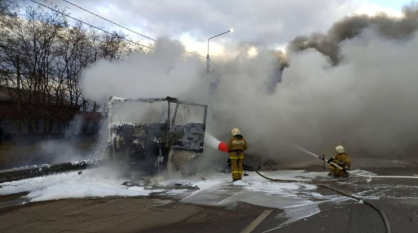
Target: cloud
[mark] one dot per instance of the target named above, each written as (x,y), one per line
(266,22)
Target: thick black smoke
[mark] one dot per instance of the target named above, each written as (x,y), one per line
(388,27)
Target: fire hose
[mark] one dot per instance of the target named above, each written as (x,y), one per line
(222,147)
(381,213)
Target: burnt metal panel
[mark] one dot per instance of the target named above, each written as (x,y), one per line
(168,98)
(188,137)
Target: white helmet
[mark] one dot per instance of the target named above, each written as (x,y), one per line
(235,131)
(340,149)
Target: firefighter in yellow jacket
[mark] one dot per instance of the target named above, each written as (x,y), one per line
(236,147)
(341,160)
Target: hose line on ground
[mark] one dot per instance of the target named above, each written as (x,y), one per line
(381,213)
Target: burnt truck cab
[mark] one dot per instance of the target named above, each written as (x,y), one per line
(149,138)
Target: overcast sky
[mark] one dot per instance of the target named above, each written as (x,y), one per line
(260,23)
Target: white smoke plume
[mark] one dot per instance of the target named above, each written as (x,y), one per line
(160,73)
(367,102)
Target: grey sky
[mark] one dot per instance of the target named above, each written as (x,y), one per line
(269,23)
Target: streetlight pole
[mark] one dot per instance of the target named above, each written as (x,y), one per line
(207,57)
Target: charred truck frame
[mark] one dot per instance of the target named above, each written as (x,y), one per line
(154,147)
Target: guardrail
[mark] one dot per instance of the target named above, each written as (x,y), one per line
(46,169)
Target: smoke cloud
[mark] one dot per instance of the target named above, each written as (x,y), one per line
(354,86)
(163,72)
(350,27)
(367,102)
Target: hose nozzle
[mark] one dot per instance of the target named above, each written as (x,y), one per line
(223,147)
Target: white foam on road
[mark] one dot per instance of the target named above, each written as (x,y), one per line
(295,213)
(176,192)
(296,199)
(360,172)
(239,183)
(91,183)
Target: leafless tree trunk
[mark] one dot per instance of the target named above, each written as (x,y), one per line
(41,61)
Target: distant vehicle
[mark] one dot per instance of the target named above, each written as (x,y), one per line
(155,134)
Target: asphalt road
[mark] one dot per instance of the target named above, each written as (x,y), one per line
(398,199)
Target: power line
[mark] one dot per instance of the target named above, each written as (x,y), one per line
(109,20)
(114,34)
(194,54)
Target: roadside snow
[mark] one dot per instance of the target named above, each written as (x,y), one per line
(85,161)
(115,98)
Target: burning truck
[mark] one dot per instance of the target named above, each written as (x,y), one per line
(155,134)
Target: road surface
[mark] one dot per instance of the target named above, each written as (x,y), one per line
(159,213)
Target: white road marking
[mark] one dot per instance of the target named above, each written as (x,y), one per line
(257,221)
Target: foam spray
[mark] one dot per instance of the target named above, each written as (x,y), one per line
(215,143)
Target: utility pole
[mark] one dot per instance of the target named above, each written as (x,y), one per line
(207,57)
(207,61)
(212,86)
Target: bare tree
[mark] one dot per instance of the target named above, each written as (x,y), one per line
(41,62)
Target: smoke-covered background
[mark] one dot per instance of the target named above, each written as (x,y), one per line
(354,85)
(164,71)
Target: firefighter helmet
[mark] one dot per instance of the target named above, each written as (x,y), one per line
(235,131)
(340,149)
